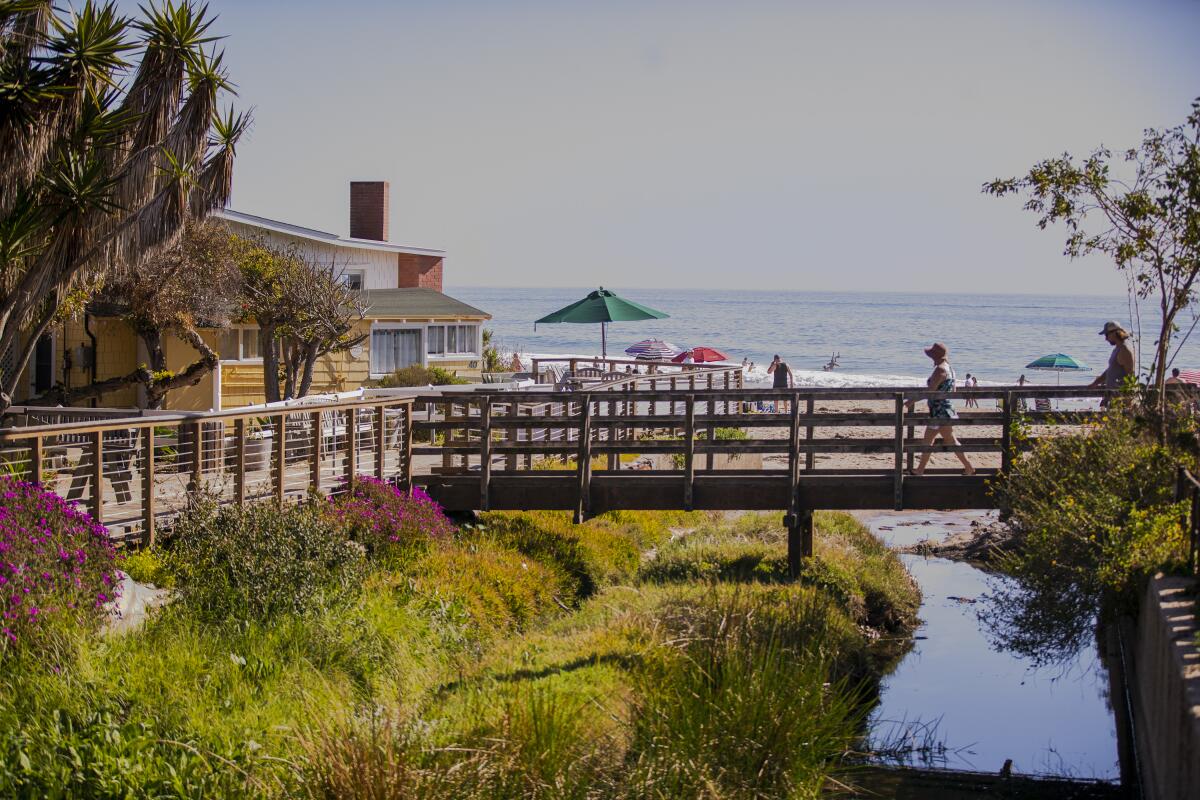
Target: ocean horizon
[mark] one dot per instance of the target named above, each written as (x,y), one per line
(879,336)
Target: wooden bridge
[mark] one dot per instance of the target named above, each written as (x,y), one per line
(795,449)
(691,439)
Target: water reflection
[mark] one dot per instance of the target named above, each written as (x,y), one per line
(965,705)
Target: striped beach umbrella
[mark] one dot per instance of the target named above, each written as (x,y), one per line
(1059,363)
(652,348)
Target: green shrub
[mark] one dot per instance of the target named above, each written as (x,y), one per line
(416,375)
(589,555)
(1095,515)
(261,560)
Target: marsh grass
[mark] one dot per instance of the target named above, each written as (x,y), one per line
(524,658)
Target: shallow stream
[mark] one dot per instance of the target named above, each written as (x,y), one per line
(956,702)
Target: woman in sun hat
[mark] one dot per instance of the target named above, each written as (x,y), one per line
(940,409)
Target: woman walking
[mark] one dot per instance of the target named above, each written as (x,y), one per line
(942,413)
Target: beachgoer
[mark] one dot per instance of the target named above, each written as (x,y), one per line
(1175,376)
(941,380)
(515,366)
(1021,400)
(1122,362)
(745,362)
(783,378)
(970,383)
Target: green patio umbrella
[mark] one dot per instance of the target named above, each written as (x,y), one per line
(1057,362)
(603,306)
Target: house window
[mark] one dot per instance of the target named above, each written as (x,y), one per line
(353,280)
(238,344)
(394,348)
(452,340)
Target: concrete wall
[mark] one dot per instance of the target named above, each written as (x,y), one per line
(1166,691)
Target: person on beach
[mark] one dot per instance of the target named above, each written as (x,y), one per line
(1122,362)
(783,378)
(1175,377)
(970,383)
(1021,381)
(942,412)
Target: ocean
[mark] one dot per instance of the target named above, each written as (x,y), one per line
(879,336)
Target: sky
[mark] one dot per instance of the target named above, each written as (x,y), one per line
(765,145)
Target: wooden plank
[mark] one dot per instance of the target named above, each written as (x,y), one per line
(689,453)
(96,501)
(280,457)
(239,461)
(898,469)
(485,453)
(148,500)
(584,466)
(794,459)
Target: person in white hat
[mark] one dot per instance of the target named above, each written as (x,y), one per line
(1122,362)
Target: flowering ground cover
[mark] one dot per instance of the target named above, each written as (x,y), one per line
(57,565)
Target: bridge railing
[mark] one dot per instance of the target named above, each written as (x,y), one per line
(135,472)
(610,374)
(794,432)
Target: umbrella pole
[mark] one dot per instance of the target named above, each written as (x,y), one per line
(604,340)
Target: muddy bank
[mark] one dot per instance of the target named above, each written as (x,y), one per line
(979,541)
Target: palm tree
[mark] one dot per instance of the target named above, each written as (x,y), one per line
(110,141)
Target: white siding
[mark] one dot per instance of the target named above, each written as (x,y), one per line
(379,268)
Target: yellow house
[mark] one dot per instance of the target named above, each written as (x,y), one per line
(408,321)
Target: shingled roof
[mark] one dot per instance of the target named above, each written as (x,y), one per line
(416,302)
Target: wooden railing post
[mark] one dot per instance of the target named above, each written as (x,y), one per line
(898,468)
(314,454)
(36,460)
(239,461)
(485,453)
(148,510)
(408,447)
(1006,435)
(280,456)
(380,442)
(351,445)
(97,468)
(584,467)
(689,453)
(810,457)
(197,430)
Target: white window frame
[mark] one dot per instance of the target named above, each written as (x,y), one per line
(242,331)
(393,326)
(361,274)
(457,355)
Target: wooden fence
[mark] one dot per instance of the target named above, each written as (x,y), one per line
(134,471)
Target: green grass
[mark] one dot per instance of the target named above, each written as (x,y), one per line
(638,655)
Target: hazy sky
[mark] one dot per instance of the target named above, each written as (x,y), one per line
(798,145)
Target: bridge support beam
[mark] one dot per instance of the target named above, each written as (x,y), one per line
(800,539)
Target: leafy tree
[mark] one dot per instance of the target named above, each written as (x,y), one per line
(101,162)
(1147,219)
(303,309)
(192,283)
(491,353)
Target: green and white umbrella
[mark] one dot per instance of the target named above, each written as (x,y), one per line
(603,306)
(1058,363)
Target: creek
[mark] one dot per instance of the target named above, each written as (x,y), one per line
(956,702)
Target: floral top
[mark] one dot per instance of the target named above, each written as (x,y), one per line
(940,407)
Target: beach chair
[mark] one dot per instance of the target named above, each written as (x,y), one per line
(1041,404)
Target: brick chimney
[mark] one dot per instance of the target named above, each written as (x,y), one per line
(369,210)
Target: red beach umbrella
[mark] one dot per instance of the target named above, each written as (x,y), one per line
(701,355)
(1190,376)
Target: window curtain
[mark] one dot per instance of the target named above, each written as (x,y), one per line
(394,349)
